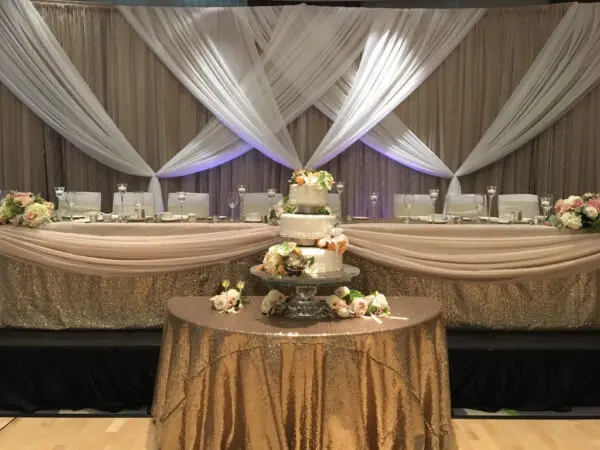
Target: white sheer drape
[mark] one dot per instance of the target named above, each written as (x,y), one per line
(308,51)
(210,50)
(36,69)
(403,48)
(565,69)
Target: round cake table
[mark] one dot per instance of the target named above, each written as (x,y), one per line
(245,381)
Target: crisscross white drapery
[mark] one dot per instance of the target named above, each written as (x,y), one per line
(565,69)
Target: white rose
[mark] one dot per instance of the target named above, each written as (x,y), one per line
(272,299)
(359,306)
(379,301)
(343,312)
(591,212)
(220,302)
(333,301)
(233,297)
(313,179)
(571,220)
(342,291)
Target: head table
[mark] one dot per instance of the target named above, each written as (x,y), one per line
(253,382)
(120,275)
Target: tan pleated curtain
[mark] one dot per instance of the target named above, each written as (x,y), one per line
(449,112)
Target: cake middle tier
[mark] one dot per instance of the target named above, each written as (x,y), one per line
(325,261)
(305,226)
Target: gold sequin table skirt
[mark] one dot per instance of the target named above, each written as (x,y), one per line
(36,297)
(248,382)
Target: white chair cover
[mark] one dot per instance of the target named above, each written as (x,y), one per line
(85,202)
(526,203)
(423,206)
(197,203)
(146,199)
(463,205)
(333,201)
(259,202)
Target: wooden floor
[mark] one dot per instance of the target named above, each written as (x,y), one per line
(136,434)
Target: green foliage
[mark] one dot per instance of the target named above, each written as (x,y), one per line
(354,294)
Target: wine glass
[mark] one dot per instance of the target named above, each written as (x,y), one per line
(59,191)
(546,204)
(181,197)
(122,190)
(408,200)
(374,197)
(479,203)
(71,198)
(340,186)
(232,200)
(491,190)
(241,189)
(433,195)
(271,193)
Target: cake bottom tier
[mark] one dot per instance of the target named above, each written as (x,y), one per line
(325,260)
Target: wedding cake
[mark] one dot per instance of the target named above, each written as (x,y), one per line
(314,243)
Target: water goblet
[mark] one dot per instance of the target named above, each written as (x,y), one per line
(491,190)
(408,200)
(546,204)
(122,190)
(59,191)
(271,193)
(181,197)
(374,197)
(433,195)
(241,192)
(232,201)
(340,186)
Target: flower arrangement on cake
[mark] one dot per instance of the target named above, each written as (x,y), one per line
(322,178)
(577,212)
(335,240)
(286,259)
(344,303)
(231,299)
(25,208)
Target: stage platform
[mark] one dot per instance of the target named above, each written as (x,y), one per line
(115,370)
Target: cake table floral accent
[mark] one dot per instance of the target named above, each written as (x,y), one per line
(25,208)
(231,299)
(577,212)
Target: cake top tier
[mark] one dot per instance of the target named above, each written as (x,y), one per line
(308,189)
(321,178)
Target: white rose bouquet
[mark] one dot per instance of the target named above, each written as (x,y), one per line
(272,303)
(347,303)
(578,212)
(231,299)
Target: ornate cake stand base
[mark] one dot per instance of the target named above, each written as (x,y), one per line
(304,305)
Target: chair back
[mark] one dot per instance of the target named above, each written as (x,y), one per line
(259,202)
(333,201)
(197,203)
(463,205)
(528,204)
(422,206)
(145,199)
(85,202)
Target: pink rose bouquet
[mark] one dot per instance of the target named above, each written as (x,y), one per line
(578,212)
(25,208)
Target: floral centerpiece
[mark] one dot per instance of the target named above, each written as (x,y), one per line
(231,299)
(577,212)
(344,303)
(25,208)
(322,178)
(286,259)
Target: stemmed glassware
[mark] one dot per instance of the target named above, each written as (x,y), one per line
(122,190)
(374,197)
(59,191)
(241,189)
(479,202)
(340,186)
(271,193)
(181,197)
(491,190)
(408,200)
(433,195)
(546,204)
(232,200)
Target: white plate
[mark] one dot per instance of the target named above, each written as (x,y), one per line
(168,219)
(220,217)
(359,218)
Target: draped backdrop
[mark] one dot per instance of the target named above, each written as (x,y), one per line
(203,99)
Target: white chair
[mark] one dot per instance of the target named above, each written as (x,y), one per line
(259,202)
(145,199)
(526,203)
(422,206)
(333,201)
(197,203)
(84,202)
(463,205)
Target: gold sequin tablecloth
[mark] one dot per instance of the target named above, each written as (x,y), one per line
(255,383)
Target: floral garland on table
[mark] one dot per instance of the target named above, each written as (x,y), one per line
(25,208)
(344,303)
(229,301)
(287,259)
(577,212)
(322,178)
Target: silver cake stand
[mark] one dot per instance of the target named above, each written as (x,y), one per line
(304,304)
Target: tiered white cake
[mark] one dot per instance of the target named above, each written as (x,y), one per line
(314,232)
